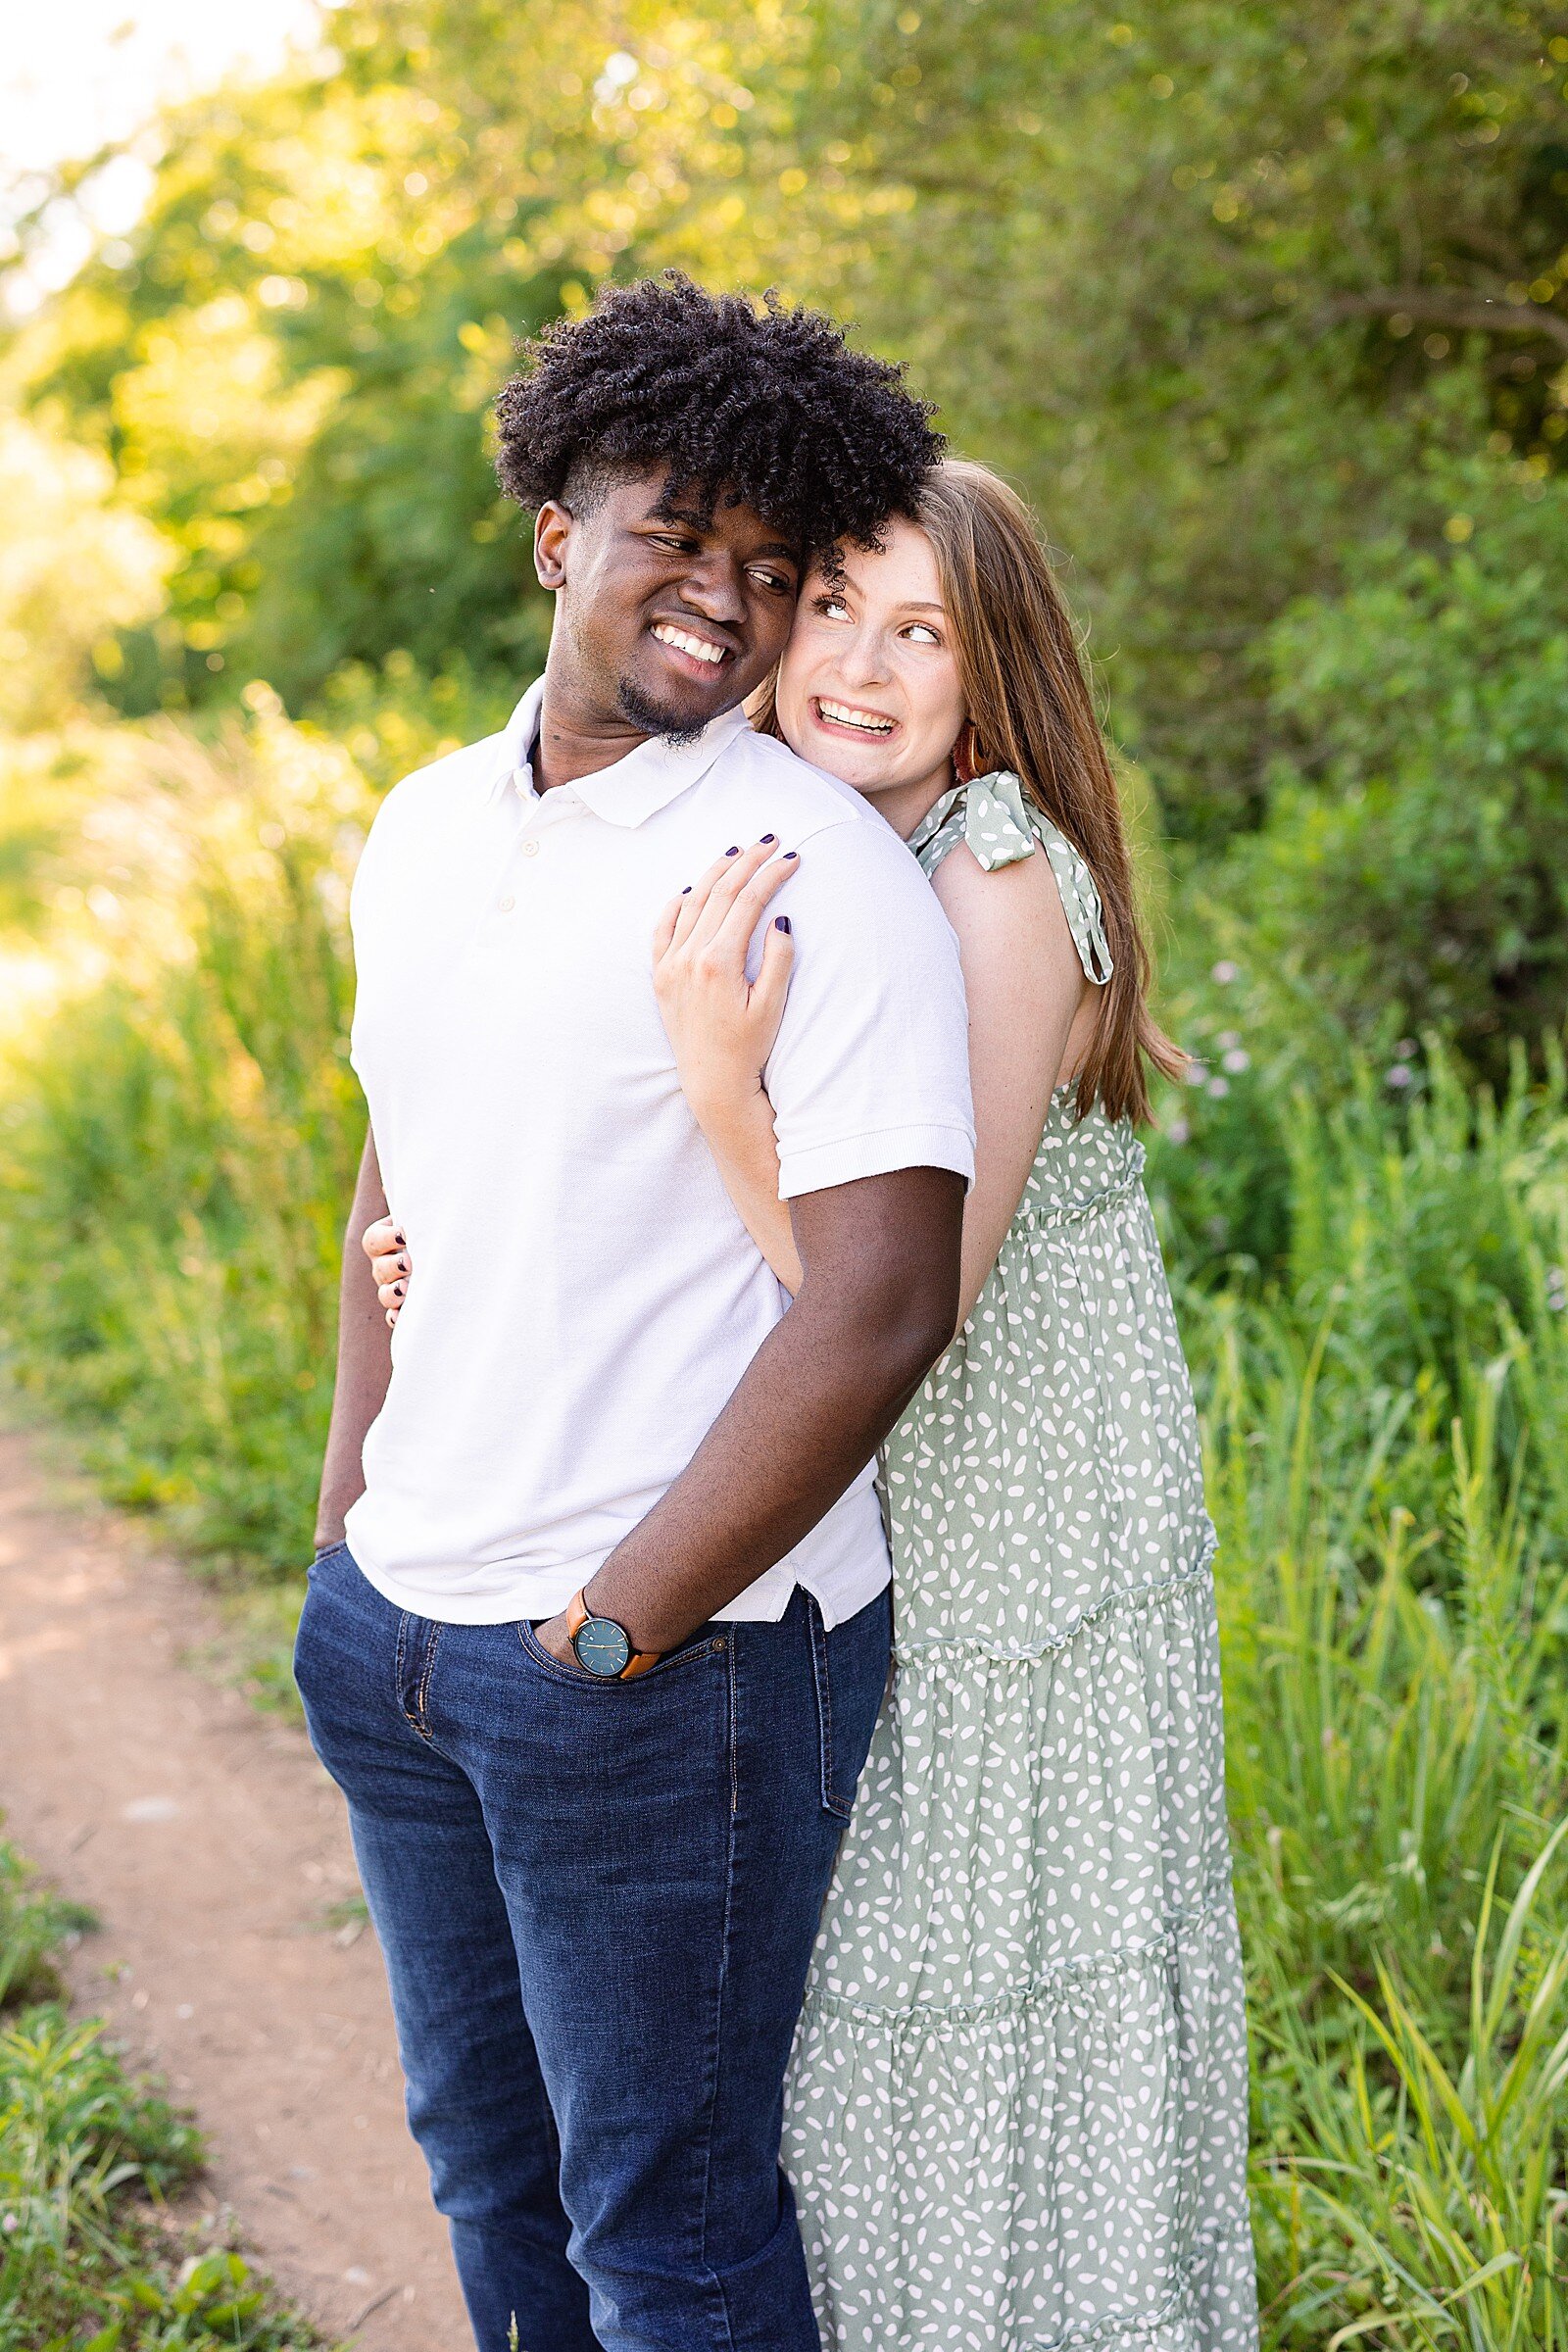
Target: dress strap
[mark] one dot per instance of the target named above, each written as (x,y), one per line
(999,826)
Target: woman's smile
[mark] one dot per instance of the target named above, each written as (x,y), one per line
(850,718)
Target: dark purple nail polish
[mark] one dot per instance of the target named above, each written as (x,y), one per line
(767,837)
(732,852)
(687,892)
(790,854)
(781,923)
(402,1265)
(400,1289)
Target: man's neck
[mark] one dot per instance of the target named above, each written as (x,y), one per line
(573,742)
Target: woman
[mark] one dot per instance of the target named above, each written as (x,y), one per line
(1017,2107)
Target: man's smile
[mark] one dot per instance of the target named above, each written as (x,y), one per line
(708,653)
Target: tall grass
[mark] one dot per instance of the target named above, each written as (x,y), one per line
(87,2159)
(1384,1439)
(1373,1290)
(178,1142)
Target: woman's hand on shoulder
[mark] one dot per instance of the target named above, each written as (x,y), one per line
(387,1249)
(720,1023)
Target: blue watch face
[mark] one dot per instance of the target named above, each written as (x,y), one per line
(602,1647)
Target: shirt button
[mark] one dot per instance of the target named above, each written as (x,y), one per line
(530,849)
(507,904)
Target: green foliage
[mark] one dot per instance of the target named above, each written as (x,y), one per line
(33,1922)
(1118,252)
(1265,306)
(1438,2184)
(86,2157)
(76,567)
(1194,273)
(390,720)
(291,369)
(179,1143)
(1415,859)
(1383,1379)
(1385,1467)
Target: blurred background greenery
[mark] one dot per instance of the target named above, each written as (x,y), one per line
(1266,307)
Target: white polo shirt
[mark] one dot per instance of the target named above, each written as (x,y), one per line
(585,1297)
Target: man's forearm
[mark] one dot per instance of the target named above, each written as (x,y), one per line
(364,1360)
(875,1309)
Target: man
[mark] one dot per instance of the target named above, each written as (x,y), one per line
(597,1634)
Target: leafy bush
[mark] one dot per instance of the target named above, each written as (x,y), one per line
(1414,865)
(76,566)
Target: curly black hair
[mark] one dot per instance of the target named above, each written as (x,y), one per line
(770,409)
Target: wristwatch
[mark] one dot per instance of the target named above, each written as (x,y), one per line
(604,1647)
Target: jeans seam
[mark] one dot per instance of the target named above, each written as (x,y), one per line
(734,1753)
(829,1791)
(397,1665)
(422,1722)
(719,2007)
(825,1711)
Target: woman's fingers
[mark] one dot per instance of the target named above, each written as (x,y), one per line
(773,983)
(665,930)
(692,899)
(736,900)
(750,899)
(731,880)
(718,890)
(388,1252)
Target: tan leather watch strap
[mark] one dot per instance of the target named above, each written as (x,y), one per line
(577,1615)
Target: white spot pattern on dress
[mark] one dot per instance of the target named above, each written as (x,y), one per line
(1017,2107)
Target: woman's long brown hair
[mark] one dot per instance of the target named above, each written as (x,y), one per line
(1030,709)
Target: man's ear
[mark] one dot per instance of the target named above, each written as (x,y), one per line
(551,529)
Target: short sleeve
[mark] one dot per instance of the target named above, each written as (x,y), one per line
(370,923)
(871,1069)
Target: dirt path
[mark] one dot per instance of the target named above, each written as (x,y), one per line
(211,1843)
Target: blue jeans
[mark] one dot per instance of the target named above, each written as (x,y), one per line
(597,1902)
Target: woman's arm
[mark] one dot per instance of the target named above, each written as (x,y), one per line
(740,1135)
(1031,1016)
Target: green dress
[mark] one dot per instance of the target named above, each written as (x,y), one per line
(1018,2106)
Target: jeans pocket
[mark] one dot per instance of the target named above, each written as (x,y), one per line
(304,1631)
(706,1644)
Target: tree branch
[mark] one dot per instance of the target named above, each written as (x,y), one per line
(1440,308)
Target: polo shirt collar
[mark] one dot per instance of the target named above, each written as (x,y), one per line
(634,788)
